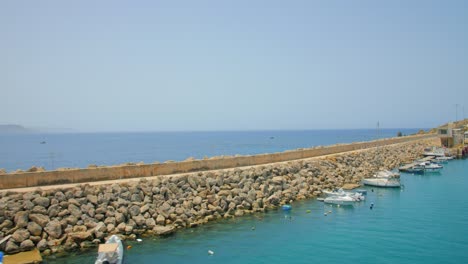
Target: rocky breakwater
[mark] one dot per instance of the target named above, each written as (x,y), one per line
(81,217)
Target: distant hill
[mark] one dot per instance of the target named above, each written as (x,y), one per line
(13,129)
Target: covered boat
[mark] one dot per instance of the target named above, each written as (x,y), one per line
(382,182)
(111,252)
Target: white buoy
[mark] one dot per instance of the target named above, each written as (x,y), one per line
(139,240)
(210,252)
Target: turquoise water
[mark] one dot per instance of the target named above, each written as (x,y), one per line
(425,222)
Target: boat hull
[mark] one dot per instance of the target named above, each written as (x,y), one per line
(381,183)
(338,202)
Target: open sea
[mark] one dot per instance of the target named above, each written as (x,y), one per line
(72,150)
(424,222)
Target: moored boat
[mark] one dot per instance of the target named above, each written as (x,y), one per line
(340,192)
(382,182)
(340,200)
(112,252)
(431,167)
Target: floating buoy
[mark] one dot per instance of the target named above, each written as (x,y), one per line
(129,247)
(308,211)
(210,252)
(325,214)
(286,207)
(139,239)
(253,227)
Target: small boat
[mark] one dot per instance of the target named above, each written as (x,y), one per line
(111,252)
(340,192)
(382,182)
(431,167)
(443,159)
(415,170)
(340,200)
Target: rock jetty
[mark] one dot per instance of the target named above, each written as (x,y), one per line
(81,217)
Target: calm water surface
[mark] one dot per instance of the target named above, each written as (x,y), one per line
(425,222)
(21,151)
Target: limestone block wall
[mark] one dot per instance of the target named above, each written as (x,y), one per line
(31,179)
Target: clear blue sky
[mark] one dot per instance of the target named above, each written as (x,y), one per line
(232,65)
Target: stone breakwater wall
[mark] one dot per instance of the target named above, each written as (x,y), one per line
(96,173)
(61,220)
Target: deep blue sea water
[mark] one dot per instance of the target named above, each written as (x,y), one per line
(21,151)
(425,222)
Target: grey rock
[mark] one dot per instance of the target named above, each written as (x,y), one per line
(21,219)
(54,229)
(163,230)
(144,208)
(160,220)
(150,222)
(38,209)
(92,198)
(34,228)
(42,201)
(11,247)
(54,210)
(26,245)
(139,220)
(134,210)
(74,210)
(197,200)
(20,235)
(42,245)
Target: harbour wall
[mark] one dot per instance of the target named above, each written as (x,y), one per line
(32,179)
(76,218)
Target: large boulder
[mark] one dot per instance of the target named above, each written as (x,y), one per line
(54,229)
(26,245)
(42,245)
(20,235)
(74,210)
(21,219)
(197,200)
(42,201)
(92,198)
(163,230)
(34,228)
(11,248)
(39,219)
(134,210)
(81,236)
(160,220)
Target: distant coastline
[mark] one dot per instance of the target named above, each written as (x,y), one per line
(13,128)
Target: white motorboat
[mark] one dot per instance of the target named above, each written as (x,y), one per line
(340,192)
(443,159)
(111,252)
(382,182)
(429,166)
(340,200)
(387,174)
